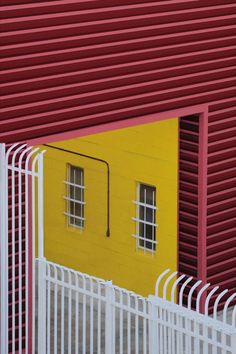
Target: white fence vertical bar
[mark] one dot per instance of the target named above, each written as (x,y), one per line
(40,206)
(3,252)
(42,270)
(29,259)
(42,314)
(153,327)
(233,342)
(109,320)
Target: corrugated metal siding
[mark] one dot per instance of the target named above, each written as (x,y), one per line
(188,200)
(188,194)
(71,64)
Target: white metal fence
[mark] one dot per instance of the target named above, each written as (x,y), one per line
(21,178)
(72,312)
(82,314)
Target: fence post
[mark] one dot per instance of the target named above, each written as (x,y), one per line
(153,325)
(3,252)
(40,207)
(42,314)
(233,343)
(42,266)
(109,319)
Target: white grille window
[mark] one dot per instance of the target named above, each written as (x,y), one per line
(75,196)
(146,217)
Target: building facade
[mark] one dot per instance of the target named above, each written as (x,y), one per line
(72,68)
(111,206)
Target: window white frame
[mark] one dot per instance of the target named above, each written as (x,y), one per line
(145,218)
(75,196)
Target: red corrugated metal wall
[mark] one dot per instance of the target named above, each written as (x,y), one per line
(69,64)
(188,196)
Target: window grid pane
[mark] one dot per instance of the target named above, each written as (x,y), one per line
(145,218)
(75,196)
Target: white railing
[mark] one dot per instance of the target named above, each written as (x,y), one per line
(70,312)
(82,314)
(21,183)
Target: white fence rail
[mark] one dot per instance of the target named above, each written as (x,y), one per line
(83,314)
(21,179)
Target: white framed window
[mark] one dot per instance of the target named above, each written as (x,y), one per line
(75,196)
(145,218)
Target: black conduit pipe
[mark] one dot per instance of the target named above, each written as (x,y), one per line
(108,178)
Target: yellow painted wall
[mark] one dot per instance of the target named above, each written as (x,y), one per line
(145,153)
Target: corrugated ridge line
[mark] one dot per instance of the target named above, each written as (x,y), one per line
(98,3)
(12,54)
(100,74)
(21,88)
(85,26)
(63,123)
(149,98)
(95,4)
(220,65)
(101,6)
(67,92)
(112,45)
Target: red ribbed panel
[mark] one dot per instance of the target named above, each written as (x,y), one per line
(188,195)
(70,64)
(221,212)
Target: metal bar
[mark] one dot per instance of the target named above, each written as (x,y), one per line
(3,251)
(13,241)
(109,319)
(84,320)
(29,254)
(150,206)
(145,310)
(32,229)
(128,328)
(91,322)
(74,184)
(144,222)
(25,171)
(74,200)
(69,313)
(62,310)
(143,238)
(136,328)
(55,311)
(20,243)
(48,347)
(77,316)
(99,320)
(20,253)
(74,216)
(121,324)
(43,308)
(40,206)
(27,250)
